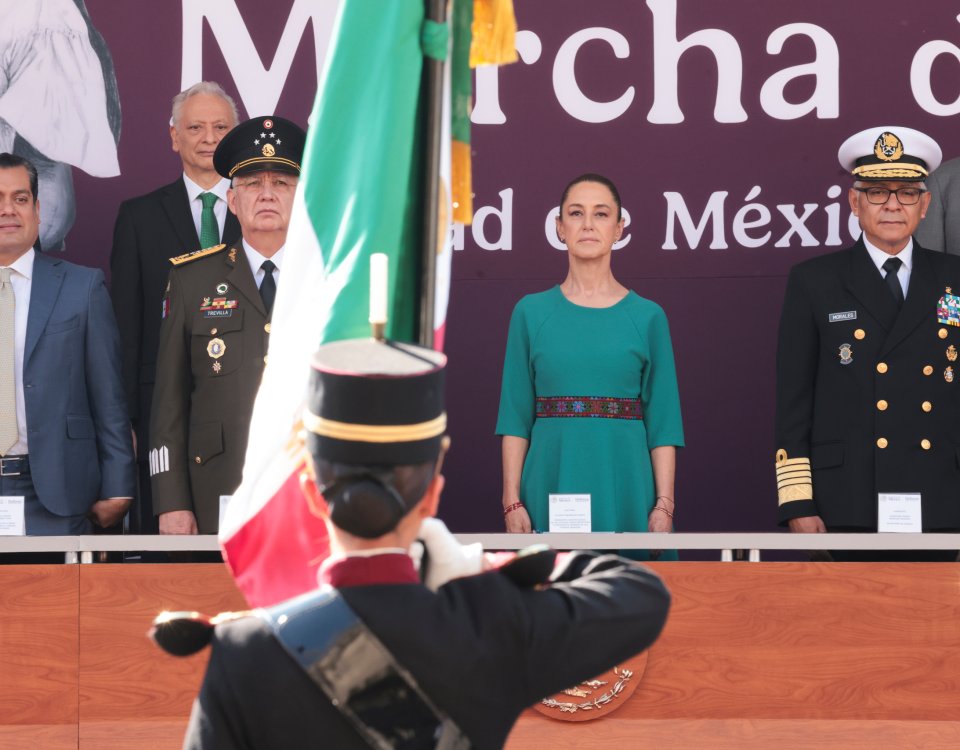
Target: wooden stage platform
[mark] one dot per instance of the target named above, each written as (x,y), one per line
(755,655)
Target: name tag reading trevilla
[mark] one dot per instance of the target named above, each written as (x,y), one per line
(11,516)
(899,512)
(570,513)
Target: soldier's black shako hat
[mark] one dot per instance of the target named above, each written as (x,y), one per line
(261,143)
(376,402)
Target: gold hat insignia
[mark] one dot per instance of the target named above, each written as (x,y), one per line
(888,147)
(268,149)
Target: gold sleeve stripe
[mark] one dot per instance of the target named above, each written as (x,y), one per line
(187,257)
(794,478)
(371,433)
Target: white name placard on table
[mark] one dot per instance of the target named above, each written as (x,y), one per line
(11,516)
(899,512)
(570,513)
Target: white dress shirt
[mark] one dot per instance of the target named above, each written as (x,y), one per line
(22,280)
(255,260)
(196,205)
(906,262)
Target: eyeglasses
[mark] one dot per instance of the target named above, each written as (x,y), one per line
(908,196)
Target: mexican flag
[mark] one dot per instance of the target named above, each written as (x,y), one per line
(361,192)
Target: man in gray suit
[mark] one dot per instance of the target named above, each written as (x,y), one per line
(65,441)
(940,230)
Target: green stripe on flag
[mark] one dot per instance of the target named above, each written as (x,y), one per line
(362,167)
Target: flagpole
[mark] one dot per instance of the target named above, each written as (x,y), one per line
(436,10)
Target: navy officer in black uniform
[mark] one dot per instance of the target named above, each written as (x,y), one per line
(867,370)
(410,666)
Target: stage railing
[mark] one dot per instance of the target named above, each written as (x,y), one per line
(82,548)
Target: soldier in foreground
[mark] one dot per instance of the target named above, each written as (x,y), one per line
(376,658)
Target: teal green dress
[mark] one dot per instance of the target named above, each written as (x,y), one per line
(556,348)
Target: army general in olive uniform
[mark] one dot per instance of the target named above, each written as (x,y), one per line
(867,371)
(215,330)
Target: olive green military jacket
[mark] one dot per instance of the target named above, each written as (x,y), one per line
(213,346)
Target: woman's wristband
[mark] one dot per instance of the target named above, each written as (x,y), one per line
(663,510)
(664,497)
(510,508)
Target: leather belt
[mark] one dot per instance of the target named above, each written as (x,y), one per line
(14,466)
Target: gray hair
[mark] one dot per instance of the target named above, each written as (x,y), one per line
(203,87)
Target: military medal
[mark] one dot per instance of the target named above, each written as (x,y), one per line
(948,374)
(846,354)
(216,348)
(948,310)
(951,353)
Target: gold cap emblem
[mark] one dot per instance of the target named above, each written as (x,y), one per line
(268,149)
(888,147)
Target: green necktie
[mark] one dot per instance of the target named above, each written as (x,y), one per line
(209,231)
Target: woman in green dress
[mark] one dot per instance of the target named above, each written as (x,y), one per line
(589,402)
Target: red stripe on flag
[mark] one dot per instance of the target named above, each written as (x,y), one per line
(275,555)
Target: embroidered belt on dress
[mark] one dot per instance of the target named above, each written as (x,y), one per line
(589,406)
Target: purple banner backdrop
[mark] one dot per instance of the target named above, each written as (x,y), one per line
(720,123)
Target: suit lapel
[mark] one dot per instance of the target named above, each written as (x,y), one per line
(240,275)
(45,286)
(920,303)
(231,229)
(866,284)
(176,205)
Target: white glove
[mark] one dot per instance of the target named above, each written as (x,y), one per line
(448,559)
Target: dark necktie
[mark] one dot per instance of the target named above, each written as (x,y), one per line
(209,230)
(268,287)
(891,266)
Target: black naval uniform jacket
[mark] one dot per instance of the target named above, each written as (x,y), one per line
(213,346)
(481,648)
(870,395)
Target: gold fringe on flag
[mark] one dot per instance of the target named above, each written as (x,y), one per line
(494,33)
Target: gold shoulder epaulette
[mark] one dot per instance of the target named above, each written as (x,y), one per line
(188,257)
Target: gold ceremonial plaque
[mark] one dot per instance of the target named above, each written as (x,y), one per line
(594,699)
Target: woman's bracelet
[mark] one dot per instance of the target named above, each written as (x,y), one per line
(663,510)
(510,508)
(664,497)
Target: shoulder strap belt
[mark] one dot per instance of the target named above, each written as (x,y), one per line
(359,675)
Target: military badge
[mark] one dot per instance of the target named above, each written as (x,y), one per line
(268,124)
(888,147)
(217,367)
(948,374)
(846,354)
(233,255)
(218,307)
(268,149)
(948,309)
(951,353)
(222,287)
(216,348)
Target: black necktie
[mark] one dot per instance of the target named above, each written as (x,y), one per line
(268,287)
(891,266)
